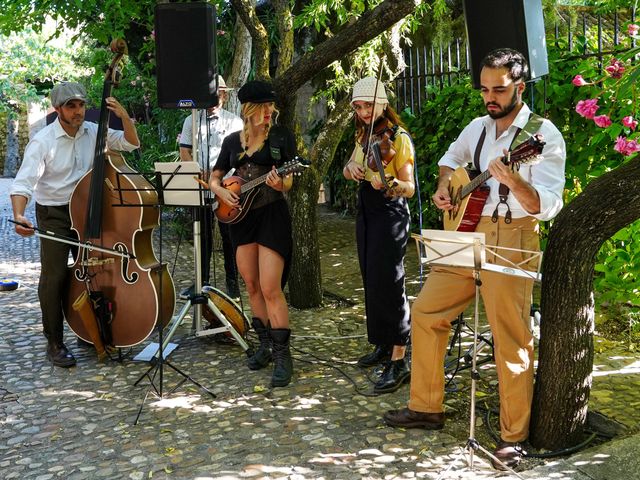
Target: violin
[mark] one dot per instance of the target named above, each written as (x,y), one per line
(381,144)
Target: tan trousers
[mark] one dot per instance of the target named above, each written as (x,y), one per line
(507,302)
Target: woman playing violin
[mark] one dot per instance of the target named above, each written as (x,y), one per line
(263,238)
(382,227)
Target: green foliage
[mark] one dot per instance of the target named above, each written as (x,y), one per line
(433,130)
(590,154)
(32,59)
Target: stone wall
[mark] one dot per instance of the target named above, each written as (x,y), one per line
(23,134)
(30,122)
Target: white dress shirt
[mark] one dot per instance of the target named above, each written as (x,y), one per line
(212,132)
(546,175)
(54,162)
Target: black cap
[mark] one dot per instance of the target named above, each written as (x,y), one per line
(256,91)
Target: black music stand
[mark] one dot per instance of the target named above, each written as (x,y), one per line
(158,361)
(461,250)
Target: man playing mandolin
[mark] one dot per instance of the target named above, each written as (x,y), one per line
(55,160)
(517,201)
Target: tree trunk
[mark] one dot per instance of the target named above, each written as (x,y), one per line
(12,157)
(241,65)
(563,380)
(305,281)
(246,11)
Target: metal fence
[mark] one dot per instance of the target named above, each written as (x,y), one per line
(579,30)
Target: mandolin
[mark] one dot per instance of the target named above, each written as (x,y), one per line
(469,194)
(247,192)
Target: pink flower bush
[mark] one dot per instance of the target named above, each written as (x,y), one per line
(615,68)
(603,121)
(632,29)
(578,81)
(626,147)
(587,108)
(629,122)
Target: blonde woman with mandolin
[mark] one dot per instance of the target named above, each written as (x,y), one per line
(260,227)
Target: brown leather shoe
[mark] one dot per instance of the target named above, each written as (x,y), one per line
(509,453)
(407,418)
(60,356)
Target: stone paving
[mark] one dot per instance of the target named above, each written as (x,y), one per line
(78,423)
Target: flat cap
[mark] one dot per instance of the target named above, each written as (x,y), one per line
(256,91)
(65,91)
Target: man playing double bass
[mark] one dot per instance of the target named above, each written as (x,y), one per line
(55,160)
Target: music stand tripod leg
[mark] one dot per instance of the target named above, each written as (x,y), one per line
(472,444)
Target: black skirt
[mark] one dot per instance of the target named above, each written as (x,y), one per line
(269,226)
(382,232)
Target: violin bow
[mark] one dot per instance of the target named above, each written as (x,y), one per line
(72,241)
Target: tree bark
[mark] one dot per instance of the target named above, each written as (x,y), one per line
(12,157)
(305,280)
(241,64)
(246,11)
(563,380)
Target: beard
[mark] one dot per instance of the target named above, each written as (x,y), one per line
(504,111)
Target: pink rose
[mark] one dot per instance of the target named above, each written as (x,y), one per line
(578,81)
(615,68)
(587,108)
(603,121)
(630,122)
(626,147)
(632,29)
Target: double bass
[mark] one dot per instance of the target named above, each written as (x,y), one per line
(113,206)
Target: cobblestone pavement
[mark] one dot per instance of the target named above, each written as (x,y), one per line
(78,423)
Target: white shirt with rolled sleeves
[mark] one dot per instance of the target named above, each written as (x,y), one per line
(213,131)
(546,174)
(54,162)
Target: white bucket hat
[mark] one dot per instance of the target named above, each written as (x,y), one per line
(365,88)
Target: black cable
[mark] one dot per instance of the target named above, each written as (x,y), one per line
(331,363)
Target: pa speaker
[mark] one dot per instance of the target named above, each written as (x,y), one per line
(516,24)
(186,60)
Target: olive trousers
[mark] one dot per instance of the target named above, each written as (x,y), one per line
(507,302)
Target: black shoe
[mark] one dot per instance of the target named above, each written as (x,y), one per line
(380,354)
(282,361)
(509,453)
(60,356)
(407,418)
(395,373)
(262,356)
(188,292)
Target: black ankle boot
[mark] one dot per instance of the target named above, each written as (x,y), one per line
(262,357)
(282,362)
(380,354)
(394,374)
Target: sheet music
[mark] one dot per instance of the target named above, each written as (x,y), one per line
(179,185)
(455,249)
